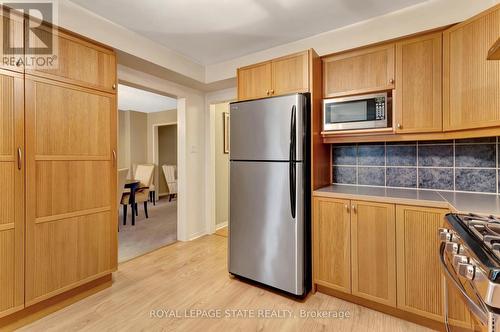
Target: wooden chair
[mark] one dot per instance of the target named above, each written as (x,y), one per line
(122,177)
(120,186)
(143,173)
(169,171)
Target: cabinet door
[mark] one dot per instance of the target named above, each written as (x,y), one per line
(332,251)
(78,61)
(71,215)
(290,74)
(420,281)
(362,71)
(12,192)
(373,244)
(419,274)
(471,83)
(418,84)
(14,23)
(254,81)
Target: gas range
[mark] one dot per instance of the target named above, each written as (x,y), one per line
(470,257)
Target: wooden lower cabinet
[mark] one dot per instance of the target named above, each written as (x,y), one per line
(384,253)
(11,193)
(420,282)
(332,243)
(420,279)
(373,257)
(71,219)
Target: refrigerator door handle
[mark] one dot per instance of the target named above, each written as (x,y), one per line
(292,168)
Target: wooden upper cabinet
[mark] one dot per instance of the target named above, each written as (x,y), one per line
(332,241)
(471,83)
(290,74)
(15,25)
(360,71)
(12,193)
(78,61)
(418,84)
(285,75)
(373,257)
(254,81)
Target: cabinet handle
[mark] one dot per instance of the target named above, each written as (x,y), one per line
(399,126)
(347,208)
(114,86)
(353,208)
(391,81)
(114,157)
(19,158)
(271,91)
(267,92)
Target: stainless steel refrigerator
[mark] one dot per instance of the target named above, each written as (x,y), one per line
(269,213)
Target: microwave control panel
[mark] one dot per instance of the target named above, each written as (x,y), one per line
(380,108)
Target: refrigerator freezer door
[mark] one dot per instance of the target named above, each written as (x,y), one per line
(266,242)
(260,129)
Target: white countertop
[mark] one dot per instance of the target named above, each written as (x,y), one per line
(458,202)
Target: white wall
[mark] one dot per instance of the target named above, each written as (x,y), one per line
(132,139)
(211,99)
(424,16)
(76,18)
(221,168)
(167,154)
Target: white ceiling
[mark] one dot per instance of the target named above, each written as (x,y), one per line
(211,31)
(132,99)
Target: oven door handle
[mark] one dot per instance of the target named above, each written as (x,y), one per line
(473,307)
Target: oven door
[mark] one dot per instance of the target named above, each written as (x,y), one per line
(467,292)
(358,112)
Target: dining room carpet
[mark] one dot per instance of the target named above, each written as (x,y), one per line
(159,230)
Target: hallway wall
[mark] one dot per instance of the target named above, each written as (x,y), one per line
(167,153)
(221,168)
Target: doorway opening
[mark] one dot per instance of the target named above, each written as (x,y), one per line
(147,140)
(220,129)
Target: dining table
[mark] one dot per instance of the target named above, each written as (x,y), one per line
(133,185)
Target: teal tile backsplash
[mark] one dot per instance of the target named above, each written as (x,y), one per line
(469,165)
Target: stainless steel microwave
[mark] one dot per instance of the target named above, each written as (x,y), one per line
(357,112)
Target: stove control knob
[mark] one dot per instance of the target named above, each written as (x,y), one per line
(460,259)
(452,247)
(466,270)
(444,234)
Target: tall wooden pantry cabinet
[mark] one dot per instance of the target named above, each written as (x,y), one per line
(58,222)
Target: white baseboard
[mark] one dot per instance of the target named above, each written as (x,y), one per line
(196,235)
(221,225)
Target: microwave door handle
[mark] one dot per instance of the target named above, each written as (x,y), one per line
(292,176)
(473,307)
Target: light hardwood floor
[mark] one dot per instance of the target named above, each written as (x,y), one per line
(222,231)
(193,275)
